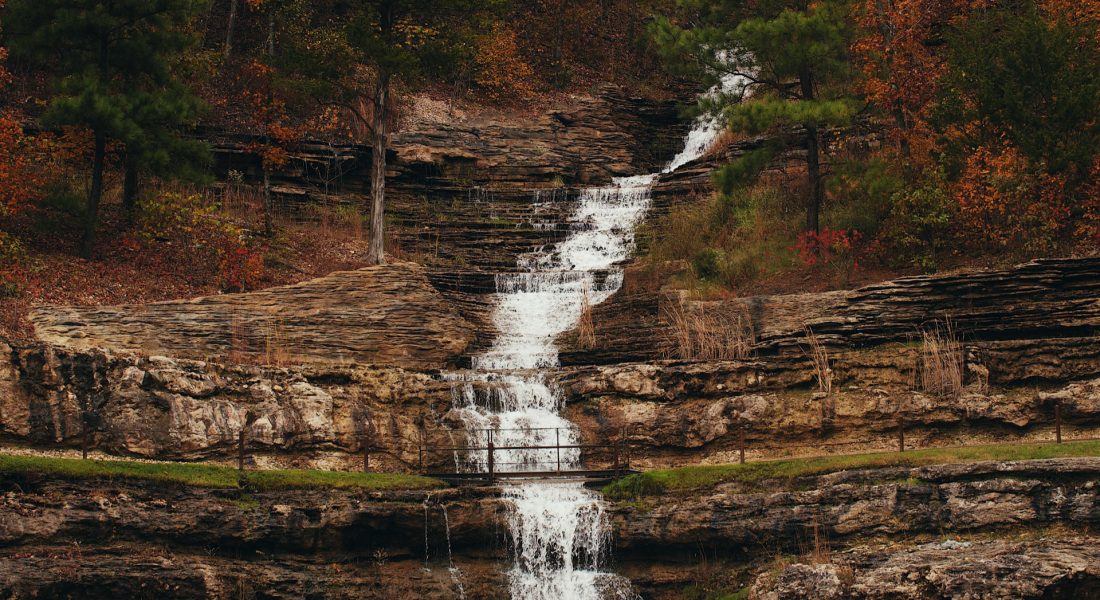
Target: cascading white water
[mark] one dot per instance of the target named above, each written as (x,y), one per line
(559,530)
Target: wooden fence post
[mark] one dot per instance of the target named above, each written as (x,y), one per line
(901,434)
(1058,422)
(240,450)
(741,442)
(84,434)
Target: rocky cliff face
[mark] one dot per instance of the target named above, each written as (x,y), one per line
(387,315)
(1023,339)
(880,533)
(102,539)
(471,192)
(1024,346)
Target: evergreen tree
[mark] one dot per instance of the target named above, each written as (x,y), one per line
(113,64)
(1030,81)
(794,56)
(359,57)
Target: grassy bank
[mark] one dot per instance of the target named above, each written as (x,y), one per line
(661,481)
(209,476)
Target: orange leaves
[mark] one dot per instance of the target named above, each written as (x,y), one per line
(268,116)
(20,182)
(900,69)
(1004,205)
(501,71)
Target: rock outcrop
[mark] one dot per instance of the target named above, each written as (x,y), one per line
(1040,300)
(1022,340)
(1036,568)
(879,533)
(387,315)
(856,505)
(183,409)
(100,539)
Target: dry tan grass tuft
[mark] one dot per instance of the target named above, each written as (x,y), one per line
(586,328)
(697,333)
(819,356)
(940,369)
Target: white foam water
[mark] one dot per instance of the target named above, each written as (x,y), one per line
(559,530)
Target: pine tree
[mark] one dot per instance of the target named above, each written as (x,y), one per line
(794,56)
(113,67)
(354,63)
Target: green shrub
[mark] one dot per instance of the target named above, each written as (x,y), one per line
(918,230)
(706,264)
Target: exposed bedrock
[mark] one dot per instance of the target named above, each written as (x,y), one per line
(367,346)
(1026,339)
(858,504)
(184,409)
(1047,569)
(885,529)
(461,190)
(1040,300)
(98,539)
(386,315)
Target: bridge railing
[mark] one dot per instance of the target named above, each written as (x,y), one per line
(487,451)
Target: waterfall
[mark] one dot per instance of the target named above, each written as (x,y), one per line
(559,530)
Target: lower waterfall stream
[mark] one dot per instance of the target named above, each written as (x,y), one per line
(560,531)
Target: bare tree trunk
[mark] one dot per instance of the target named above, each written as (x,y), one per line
(375,248)
(269,205)
(229,28)
(271,30)
(813,160)
(91,215)
(269,201)
(130,186)
(559,55)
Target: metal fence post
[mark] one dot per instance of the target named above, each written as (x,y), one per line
(557,446)
(84,434)
(901,434)
(491,466)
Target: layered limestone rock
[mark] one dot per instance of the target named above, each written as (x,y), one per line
(175,542)
(1022,340)
(386,315)
(1023,350)
(879,534)
(176,408)
(473,191)
(1040,300)
(1034,568)
(852,505)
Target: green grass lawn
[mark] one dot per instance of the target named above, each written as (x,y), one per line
(210,476)
(661,481)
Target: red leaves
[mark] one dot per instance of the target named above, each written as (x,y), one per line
(837,249)
(184,234)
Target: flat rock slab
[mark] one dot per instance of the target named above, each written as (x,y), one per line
(386,315)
